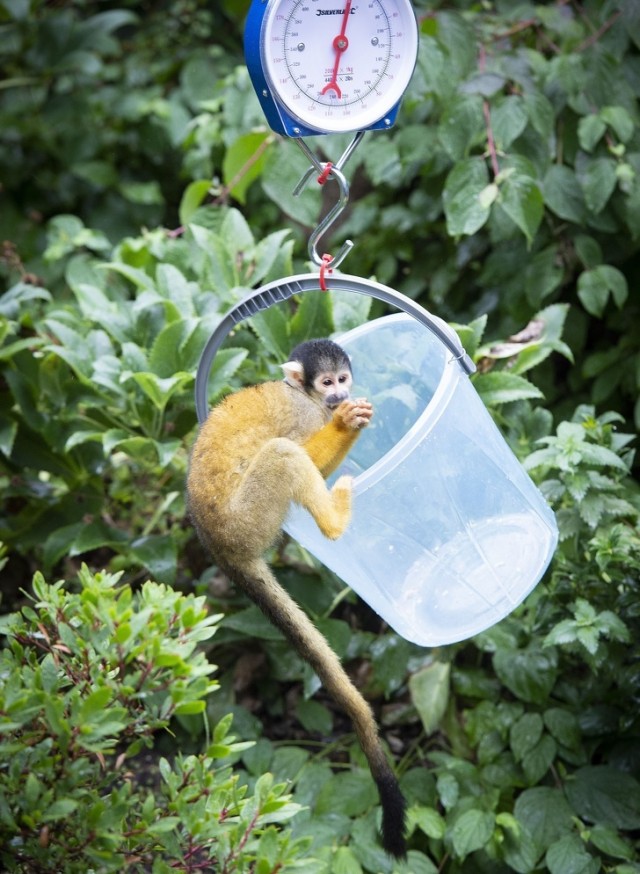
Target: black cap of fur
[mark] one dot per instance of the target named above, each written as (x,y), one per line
(317,356)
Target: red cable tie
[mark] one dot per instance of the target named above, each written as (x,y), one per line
(322,178)
(324,269)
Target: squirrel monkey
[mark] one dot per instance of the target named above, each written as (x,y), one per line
(260,449)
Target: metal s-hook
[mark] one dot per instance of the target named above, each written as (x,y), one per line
(328,171)
(327,221)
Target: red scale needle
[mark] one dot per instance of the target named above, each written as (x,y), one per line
(340,44)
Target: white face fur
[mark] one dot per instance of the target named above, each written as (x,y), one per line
(333,387)
(329,386)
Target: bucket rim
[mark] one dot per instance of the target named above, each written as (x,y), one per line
(424,424)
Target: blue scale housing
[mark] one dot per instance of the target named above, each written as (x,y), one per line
(279,118)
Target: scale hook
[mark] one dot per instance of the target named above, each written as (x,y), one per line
(328,171)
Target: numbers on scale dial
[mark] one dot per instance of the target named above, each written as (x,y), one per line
(334,59)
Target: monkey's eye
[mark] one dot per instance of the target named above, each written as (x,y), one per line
(327,382)
(342,377)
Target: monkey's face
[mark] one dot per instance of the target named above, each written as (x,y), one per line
(333,387)
(322,369)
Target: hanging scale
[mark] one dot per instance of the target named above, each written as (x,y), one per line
(323,67)
(330,66)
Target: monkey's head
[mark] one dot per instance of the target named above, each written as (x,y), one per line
(322,369)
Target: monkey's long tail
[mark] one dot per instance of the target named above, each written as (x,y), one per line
(258,582)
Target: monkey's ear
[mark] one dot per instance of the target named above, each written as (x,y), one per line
(293,373)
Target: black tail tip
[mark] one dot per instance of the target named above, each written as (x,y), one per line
(394,809)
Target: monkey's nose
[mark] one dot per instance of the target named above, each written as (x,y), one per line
(335,400)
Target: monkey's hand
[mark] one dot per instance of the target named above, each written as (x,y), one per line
(353,414)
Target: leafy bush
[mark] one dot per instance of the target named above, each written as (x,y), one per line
(89,678)
(97,397)
(507,200)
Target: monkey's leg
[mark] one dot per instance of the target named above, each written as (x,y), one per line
(282,472)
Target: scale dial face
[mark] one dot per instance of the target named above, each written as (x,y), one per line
(338,65)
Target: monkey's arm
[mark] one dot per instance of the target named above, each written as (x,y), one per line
(328,447)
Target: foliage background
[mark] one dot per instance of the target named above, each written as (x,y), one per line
(141,196)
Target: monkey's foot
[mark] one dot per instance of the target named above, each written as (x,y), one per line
(337,523)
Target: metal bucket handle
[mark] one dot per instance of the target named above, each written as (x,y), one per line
(283,289)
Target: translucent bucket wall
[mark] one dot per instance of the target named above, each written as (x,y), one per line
(449,534)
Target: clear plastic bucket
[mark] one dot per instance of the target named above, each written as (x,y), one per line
(449,534)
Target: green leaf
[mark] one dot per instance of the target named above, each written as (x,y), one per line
(595,286)
(272,327)
(224,367)
(272,258)
(252,623)
(189,708)
(461,125)
(60,809)
(537,761)
(382,161)
(159,554)
(95,703)
(220,271)
(525,734)
(315,717)
(244,162)
(500,387)
(588,250)
(521,199)
(456,35)
(192,197)
(591,129)
(568,856)
(619,121)
(94,535)
(472,831)
(564,727)
(565,632)
(173,285)
(545,814)
(348,793)
(509,118)
(171,351)
(609,842)
(349,310)
(518,847)
(161,826)
(589,638)
(160,390)
(263,787)
(145,193)
(284,166)
(32,789)
(540,112)
(529,673)
(345,862)
(8,433)
(429,688)
(601,794)
(563,194)
(463,186)
(598,183)
(313,317)
(429,821)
